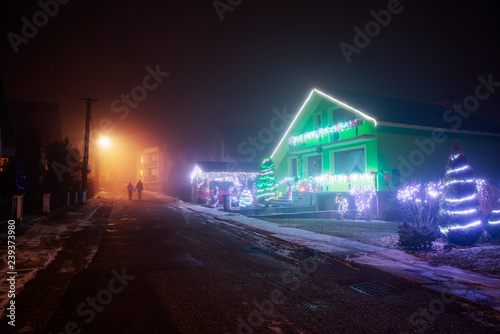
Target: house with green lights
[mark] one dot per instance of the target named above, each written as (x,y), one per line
(336,143)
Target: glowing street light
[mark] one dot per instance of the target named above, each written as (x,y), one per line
(104,142)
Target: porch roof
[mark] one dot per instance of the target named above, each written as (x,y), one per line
(228,167)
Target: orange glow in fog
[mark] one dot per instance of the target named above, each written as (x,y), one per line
(104,142)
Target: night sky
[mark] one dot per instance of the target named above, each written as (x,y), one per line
(233,72)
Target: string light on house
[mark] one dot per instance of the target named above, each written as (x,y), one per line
(236,177)
(327,179)
(322,132)
(285,180)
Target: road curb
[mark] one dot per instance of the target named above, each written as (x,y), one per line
(420,272)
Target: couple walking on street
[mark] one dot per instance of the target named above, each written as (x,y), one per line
(139,187)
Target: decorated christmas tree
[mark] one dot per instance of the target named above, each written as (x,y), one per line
(266,183)
(246,198)
(493,226)
(460,218)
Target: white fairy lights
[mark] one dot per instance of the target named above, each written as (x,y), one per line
(321,132)
(445,230)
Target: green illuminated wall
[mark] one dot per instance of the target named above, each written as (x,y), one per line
(403,151)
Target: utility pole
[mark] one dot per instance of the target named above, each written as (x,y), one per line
(86,143)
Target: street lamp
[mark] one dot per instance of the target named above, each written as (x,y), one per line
(104,142)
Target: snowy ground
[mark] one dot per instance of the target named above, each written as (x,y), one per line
(38,244)
(484,259)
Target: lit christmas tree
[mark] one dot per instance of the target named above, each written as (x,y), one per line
(266,183)
(459,206)
(246,198)
(493,226)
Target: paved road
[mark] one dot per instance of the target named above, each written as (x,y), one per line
(164,269)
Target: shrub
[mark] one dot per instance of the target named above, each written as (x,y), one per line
(420,207)
(413,238)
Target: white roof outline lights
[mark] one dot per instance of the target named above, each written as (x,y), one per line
(347,106)
(293,122)
(329,98)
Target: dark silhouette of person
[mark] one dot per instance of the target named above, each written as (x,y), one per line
(130,189)
(139,187)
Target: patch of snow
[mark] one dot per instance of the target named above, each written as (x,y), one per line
(36,248)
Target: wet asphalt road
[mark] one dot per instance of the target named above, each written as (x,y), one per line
(164,269)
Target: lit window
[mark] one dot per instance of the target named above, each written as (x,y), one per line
(349,162)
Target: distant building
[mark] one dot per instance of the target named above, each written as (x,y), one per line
(153,167)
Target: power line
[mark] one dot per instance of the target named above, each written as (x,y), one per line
(78,112)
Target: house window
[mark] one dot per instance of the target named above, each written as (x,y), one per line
(341,115)
(317,120)
(142,159)
(348,162)
(338,115)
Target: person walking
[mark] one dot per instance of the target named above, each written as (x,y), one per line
(139,187)
(130,189)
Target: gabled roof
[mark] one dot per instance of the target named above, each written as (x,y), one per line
(312,101)
(392,112)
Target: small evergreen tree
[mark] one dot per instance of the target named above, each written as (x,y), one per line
(460,217)
(493,226)
(246,198)
(266,183)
